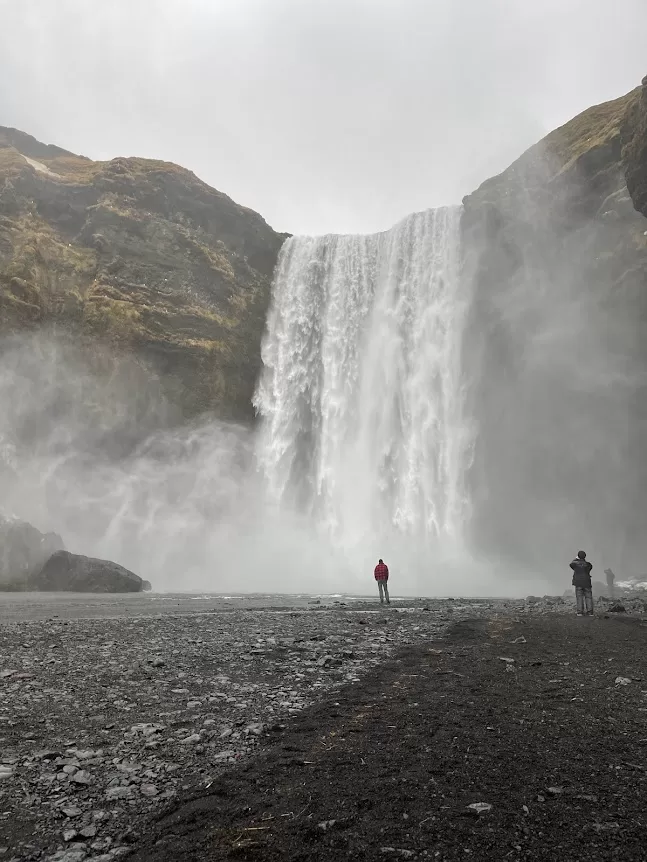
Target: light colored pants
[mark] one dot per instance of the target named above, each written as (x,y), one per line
(584,596)
(384,592)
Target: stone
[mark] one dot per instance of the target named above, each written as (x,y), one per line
(73,572)
(23,551)
(148,790)
(82,776)
(69,835)
(479,807)
(88,831)
(119,792)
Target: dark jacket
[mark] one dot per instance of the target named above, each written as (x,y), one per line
(581,572)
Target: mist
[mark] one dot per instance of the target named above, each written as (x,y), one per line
(557,374)
(183,506)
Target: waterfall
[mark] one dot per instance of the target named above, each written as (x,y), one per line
(361,394)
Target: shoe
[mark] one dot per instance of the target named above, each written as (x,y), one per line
(580,614)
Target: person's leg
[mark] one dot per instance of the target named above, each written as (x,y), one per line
(386,593)
(588,596)
(380,588)
(579,599)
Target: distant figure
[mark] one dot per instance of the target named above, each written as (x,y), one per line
(382,576)
(610,579)
(582,583)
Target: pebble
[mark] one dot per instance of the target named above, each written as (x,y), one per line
(100,728)
(81,777)
(479,807)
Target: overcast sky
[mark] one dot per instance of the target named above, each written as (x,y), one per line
(322,115)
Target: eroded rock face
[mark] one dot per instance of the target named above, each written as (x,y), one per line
(556,255)
(68,572)
(23,550)
(141,257)
(634,154)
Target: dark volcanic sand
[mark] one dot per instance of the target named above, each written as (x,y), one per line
(385,768)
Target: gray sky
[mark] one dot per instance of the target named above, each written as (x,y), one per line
(322,115)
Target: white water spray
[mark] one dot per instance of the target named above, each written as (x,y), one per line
(361,394)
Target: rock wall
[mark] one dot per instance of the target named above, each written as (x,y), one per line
(136,258)
(556,344)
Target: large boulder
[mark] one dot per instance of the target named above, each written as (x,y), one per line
(23,551)
(68,572)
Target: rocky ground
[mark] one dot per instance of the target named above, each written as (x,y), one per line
(113,708)
(110,706)
(519,736)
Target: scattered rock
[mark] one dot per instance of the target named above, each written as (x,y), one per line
(479,808)
(73,572)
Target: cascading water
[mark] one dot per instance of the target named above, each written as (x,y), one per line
(361,393)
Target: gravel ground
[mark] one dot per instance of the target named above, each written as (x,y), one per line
(111,706)
(517,737)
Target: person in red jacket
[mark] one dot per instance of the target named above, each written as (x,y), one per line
(382,576)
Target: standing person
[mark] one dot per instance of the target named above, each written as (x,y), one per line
(610,579)
(582,583)
(382,576)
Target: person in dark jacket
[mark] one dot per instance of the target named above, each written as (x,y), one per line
(582,583)
(382,576)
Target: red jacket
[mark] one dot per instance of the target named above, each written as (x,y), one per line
(381,572)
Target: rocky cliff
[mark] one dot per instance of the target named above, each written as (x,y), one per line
(556,254)
(136,259)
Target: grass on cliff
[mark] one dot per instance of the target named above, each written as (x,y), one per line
(593,128)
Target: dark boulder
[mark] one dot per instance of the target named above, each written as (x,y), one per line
(23,550)
(68,572)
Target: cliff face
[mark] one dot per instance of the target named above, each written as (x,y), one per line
(136,259)
(556,346)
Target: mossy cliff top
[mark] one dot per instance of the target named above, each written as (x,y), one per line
(140,257)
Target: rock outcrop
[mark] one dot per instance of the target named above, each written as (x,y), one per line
(634,152)
(556,343)
(23,551)
(137,257)
(68,572)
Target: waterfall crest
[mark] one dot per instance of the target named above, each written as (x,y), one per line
(361,394)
